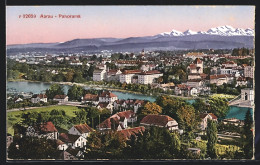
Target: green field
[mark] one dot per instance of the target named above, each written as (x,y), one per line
(15,117)
(224,96)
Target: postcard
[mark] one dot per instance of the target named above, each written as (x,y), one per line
(130,82)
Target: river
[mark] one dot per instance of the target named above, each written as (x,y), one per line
(38,87)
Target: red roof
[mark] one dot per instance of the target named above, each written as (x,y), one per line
(47,127)
(42,96)
(160,120)
(132,71)
(192,66)
(126,114)
(102,104)
(150,72)
(68,138)
(217,76)
(203,115)
(90,97)
(107,94)
(126,133)
(83,128)
(60,96)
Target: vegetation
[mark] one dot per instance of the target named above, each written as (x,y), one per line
(247,136)
(212,139)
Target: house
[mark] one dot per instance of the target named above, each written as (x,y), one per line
(110,124)
(183,89)
(192,76)
(99,75)
(37,98)
(196,66)
(61,98)
(81,129)
(73,141)
(196,83)
(218,79)
(148,77)
(193,91)
(138,104)
(204,119)
(61,145)
(113,75)
(107,105)
(167,86)
(107,97)
(118,121)
(45,130)
(159,121)
(241,81)
(90,98)
(65,155)
(17,100)
(127,133)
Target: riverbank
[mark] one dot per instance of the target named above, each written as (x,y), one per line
(100,87)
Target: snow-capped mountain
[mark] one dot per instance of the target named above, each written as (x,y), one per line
(189,32)
(221,30)
(172,33)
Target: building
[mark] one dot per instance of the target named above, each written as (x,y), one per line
(127,76)
(73,141)
(247,94)
(196,83)
(37,98)
(61,98)
(107,105)
(45,130)
(196,66)
(81,129)
(127,133)
(99,75)
(118,121)
(204,119)
(90,98)
(159,121)
(107,97)
(229,64)
(113,75)
(249,71)
(148,77)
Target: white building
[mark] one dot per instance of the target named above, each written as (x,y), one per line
(99,75)
(247,94)
(37,98)
(148,77)
(107,97)
(113,75)
(127,76)
(81,129)
(249,71)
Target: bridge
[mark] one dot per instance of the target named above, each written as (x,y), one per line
(238,101)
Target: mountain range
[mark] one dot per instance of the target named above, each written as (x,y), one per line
(223,37)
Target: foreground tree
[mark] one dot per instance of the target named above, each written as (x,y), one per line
(75,92)
(151,108)
(218,106)
(247,136)
(212,139)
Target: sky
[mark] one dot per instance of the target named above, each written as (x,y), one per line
(118,21)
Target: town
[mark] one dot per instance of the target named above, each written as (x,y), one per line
(193,93)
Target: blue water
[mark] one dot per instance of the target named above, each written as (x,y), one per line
(38,87)
(238,112)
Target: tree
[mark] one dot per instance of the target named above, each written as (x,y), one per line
(75,92)
(55,89)
(69,76)
(247,136)
(81,117)
(218,106)
(200,106)
(151,108)
(212,139)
